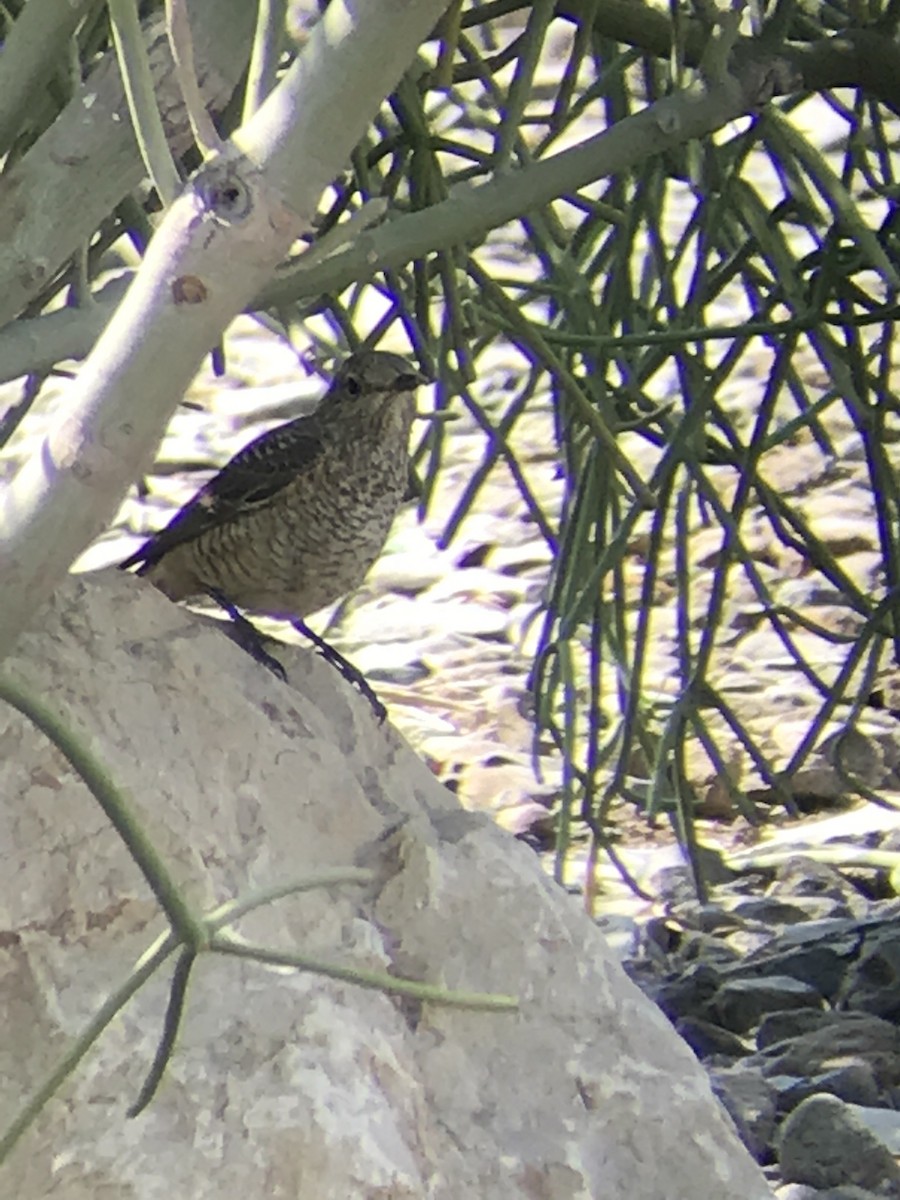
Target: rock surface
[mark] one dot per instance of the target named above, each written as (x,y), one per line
(285,1084)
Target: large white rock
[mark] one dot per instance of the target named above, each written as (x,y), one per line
(284,1084)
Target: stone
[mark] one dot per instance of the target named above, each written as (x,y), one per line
(871,984)
(824,1143)
(802,875)
(883,1122)
(282,1082)
(707,1039)
(789,1024)
(740,1004)
(690,994)
(850,1037)
(770,909)
(821,962)
(751,1103)
(853,1082)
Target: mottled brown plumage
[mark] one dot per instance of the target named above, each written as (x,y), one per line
(295,520)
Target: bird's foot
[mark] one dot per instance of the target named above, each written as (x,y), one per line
(352,674)
(245,634)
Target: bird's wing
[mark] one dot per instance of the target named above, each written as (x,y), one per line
(251,479)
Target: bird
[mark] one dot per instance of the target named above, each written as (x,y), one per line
(295,520)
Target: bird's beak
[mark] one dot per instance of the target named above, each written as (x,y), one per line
(441,414)
(417,379)
(410,382)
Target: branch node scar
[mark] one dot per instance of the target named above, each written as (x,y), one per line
(225,195)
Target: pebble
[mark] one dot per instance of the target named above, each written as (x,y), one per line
(824,1144)
(800,1033)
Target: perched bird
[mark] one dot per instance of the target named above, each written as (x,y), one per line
(295,520)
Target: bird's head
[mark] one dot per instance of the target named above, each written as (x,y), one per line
(373,384)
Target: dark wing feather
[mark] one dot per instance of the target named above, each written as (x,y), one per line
(252,478)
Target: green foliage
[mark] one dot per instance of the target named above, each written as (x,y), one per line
(644,302)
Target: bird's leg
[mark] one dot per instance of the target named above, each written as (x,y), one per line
(352,674)
(246,635)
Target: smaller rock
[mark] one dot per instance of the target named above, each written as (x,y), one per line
(820,965)
(854,1083)
(797,1191)
(751,1103)
(803,875)
(707,1039)
(690,994)
(770,909)
(845,534)
(740,1004)
(790,1024)
(824,1143)
(883,1122)
(872,984)
(850,1037)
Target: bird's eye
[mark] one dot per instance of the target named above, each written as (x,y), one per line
(353,386)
